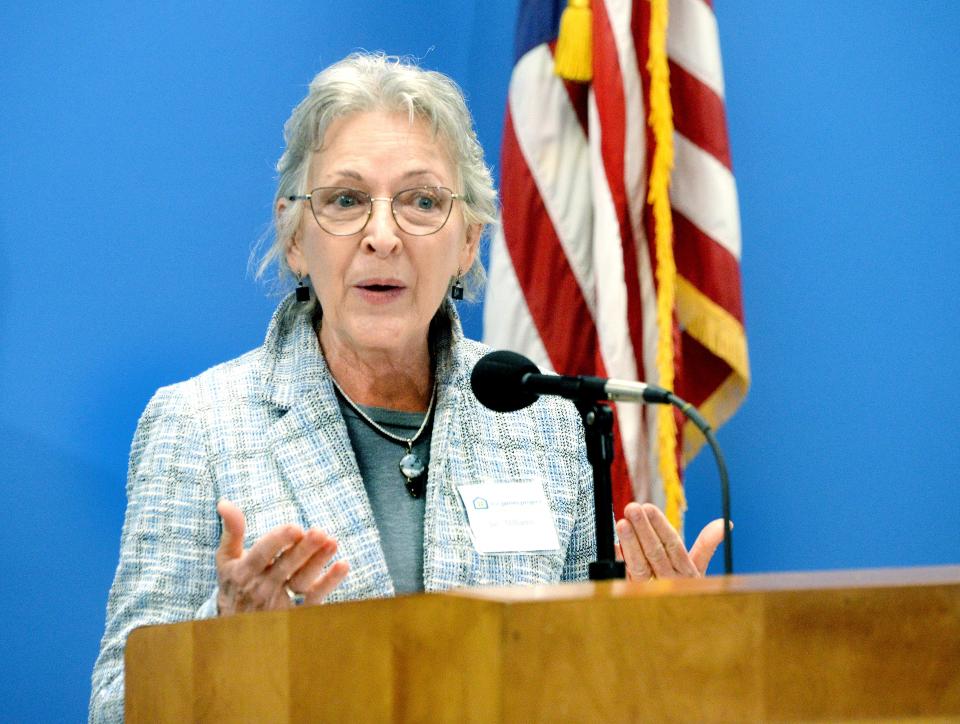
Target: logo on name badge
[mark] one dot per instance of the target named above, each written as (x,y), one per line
(480,504)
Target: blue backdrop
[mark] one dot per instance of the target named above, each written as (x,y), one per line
(136,148)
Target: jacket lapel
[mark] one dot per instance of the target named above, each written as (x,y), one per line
(446,541)
(448,557)
(313,454)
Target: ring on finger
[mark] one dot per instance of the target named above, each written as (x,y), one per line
(296,599)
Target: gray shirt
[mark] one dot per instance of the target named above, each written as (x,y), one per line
(399,517)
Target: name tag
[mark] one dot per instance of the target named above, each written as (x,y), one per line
(509,517)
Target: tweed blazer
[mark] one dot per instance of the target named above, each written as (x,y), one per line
(265,430)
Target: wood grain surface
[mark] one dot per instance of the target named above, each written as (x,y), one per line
(841,645)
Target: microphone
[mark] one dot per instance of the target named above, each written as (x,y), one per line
(505,381)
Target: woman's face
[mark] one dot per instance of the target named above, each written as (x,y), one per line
(380,288)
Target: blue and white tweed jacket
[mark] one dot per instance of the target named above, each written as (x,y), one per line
(265,431)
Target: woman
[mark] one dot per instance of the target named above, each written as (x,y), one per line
(326,464)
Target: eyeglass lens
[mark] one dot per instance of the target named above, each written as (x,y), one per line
(418,211)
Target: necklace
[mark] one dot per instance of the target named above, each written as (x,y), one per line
(411,466)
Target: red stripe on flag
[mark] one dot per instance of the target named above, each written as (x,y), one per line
(711,371)
(577,93)
(698,114)
(553,294)
(707,265)
(611,109)
(608,92)
(640,28)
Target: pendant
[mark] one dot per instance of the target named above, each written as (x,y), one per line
(413,469)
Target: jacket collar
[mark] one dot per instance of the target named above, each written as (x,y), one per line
(290,358)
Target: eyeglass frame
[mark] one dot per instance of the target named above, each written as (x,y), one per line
(393,212)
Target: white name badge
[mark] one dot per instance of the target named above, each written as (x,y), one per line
(509,517)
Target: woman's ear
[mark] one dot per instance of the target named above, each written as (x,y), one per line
(472,246)
(292,251)
(295,258)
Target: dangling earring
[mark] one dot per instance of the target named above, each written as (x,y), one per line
(456,291)
(303,293)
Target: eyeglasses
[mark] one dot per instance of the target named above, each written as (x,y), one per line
(343,211)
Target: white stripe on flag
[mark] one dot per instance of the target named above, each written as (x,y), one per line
(638,425)
(635,139)
(612,324)
(705,192)
(693,42)
(555,149)
(516,330)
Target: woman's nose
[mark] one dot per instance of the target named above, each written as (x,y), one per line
(381,233)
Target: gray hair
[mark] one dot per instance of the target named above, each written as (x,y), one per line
(377,82)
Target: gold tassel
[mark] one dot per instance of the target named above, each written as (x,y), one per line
(573,58)
(658,196)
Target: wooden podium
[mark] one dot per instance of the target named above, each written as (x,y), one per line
(840,645)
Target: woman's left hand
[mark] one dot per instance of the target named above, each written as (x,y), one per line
(651,548)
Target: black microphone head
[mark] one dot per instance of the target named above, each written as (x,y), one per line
(497,381)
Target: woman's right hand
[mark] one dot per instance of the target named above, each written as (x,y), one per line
(287,557)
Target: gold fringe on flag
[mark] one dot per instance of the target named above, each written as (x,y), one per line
(714,327)
(658,196)
(573,58)
(723,334)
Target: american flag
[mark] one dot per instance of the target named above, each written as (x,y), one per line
(591,243)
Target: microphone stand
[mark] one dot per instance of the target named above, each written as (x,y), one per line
(598,428)
(503,370)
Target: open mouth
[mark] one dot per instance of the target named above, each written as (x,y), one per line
(380,290)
